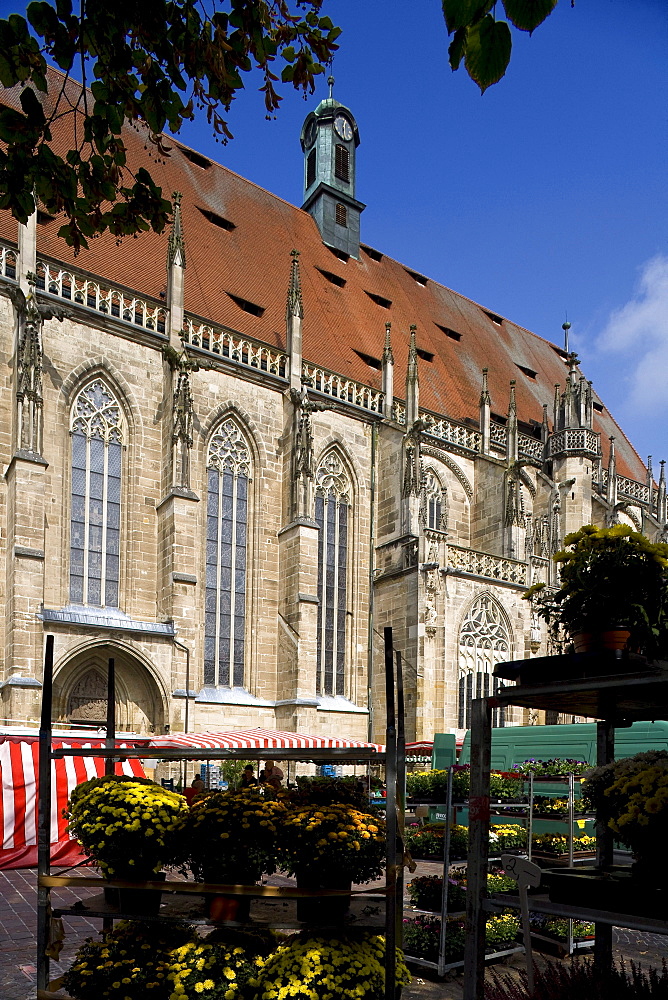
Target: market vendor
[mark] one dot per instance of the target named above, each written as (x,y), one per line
(271,775)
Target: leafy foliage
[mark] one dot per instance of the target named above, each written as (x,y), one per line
(325,791)
(483,42)
(582,979)
(233,835)
(610,578)
(345,966)
(138,959)
(130,827)
(150,68)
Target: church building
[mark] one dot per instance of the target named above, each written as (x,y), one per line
(232,454)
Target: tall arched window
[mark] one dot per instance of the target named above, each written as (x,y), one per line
(97,442)
(434,503)
(332,508)
(229,468)
(484,641)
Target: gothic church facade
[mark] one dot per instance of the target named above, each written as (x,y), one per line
(230,472)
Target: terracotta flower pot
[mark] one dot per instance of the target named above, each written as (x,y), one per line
(594,642)
(223,907)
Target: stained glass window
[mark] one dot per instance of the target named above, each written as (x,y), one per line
(229,476)
(332,507)
(484,641)
(95,521)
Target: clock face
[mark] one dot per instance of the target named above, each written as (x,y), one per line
(310,133)
(343,128)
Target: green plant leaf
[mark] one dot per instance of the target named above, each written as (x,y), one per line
(487,51)
(461,13)
(528,14)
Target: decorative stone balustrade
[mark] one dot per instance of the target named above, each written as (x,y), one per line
(486,565)
(242,350)
(101,297)
(447,430)
(339,387)
(632,490)
(497,435)
(530,447)
(575,439)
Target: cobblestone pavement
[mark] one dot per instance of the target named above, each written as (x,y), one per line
(18,903)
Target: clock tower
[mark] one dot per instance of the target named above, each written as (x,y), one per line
(329,140)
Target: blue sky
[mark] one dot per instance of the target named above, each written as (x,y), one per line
(543,199)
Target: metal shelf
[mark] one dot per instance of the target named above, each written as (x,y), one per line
(613,689)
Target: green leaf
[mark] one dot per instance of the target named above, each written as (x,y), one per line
(457,48)
(528,14)
(461,13)
(487,54)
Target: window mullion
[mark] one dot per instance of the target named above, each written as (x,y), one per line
(103,555)
(86,531)
(219,572)
(336,611)
(233,588)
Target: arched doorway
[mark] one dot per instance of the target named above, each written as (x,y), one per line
(80,691)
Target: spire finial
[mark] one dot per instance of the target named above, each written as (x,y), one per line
(412,354)
(294,305)
(176,245)
(512,404)
(566,327)
(388,357)
(484,392)
(330,83)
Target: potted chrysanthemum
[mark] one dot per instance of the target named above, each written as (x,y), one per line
(233,840)
(613,580)
(330,847)
(631,797)
(130,827)
(350,967)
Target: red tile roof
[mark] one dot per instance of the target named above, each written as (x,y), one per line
(252,262)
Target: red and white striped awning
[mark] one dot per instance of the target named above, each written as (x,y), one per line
(259,739)
(19,768)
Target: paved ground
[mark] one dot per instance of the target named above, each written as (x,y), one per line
(18,900)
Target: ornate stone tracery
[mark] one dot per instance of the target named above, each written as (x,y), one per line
(228,450)
(97,413)
(331,478)
(484,641)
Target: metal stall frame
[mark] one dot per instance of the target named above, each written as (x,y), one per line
(612,689)
(392,758)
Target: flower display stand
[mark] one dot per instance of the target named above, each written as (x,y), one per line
(183,902)
(638,693)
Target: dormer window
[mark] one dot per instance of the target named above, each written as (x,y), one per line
(341,163)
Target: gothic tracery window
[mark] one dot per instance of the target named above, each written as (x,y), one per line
(434,503)
(484,641)
(96,429)
(332,514)
(229,468)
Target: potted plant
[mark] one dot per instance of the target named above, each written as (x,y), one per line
(330,847)
(130,827)
(612,580)
(138,960)
(345,966)
(631,796)
(233,838)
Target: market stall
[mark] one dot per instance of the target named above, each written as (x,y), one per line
(19,783)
